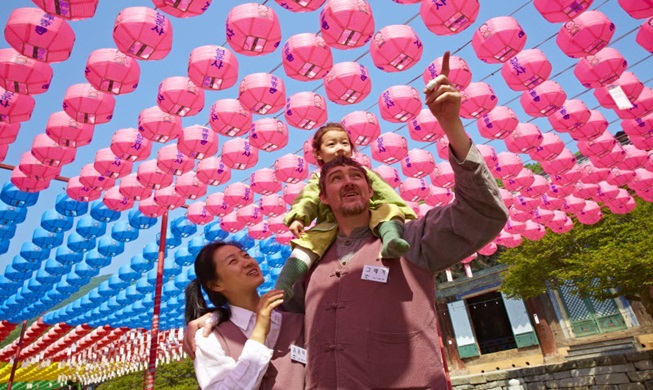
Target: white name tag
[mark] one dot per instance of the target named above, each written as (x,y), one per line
(619,97)
(375,274)
(298,354)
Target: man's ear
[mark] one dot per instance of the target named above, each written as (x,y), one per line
(323,199)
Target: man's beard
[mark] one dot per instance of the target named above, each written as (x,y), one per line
(353,208)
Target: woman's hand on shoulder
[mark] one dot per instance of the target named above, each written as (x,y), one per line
(269,301)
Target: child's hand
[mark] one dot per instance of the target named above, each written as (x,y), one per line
(297,228)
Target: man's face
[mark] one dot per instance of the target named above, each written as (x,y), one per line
(347,191)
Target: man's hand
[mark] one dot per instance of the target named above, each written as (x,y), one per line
(297,228)
(207,321)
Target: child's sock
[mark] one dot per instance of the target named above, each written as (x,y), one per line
(393,245)
(296,266)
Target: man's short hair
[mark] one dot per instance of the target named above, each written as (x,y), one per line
(338,162)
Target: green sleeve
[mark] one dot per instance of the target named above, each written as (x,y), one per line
(306,204)
(383,193)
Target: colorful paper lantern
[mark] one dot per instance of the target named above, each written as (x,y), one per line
(49,152)
(498,123)
(477,100)
(150,176)
(306,57)
(498,40)
(264,181)
(262,93)
(216,205)
(347,83)
(571,116)
(561,10)
(22,74)
(143,33)
(389,148)
(189,186)
(180,96)
(526,70)
(306,110)
(449,17)
(71,10)
(129,145)
(15,107)
(197,142)
(183,9)
(109,165)
(346,24)
(268,134)
(544,99)
(272,205)
(172,161)
(601,68)
(158,126)
(396,48)
(585,35)
(131,188)
(238,153)
(253,29)
(418,163)
(213,171)
(399,103)
(459,73)
(424,127)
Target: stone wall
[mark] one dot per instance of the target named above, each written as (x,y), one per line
(613,372)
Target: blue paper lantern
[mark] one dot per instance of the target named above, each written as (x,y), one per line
(113,304)
(182,227)
(181,281)
(53,267)
(17,276)
(83,270)
(276,260)
(100,212)
(140,264)
(88,227)
(122,231)
(12,215)
(87,304)
(4,247)
(213,232)
(44,277)
(110,247)
(8,284)
(66,288)
(127,274)
(77,280)
(12,196)
(244,239)
(116,283)
(68,206)
(139,220)
(170,269)
(31,252)
(151,251)
(94,295)
(65,255)
(132,293)
(122,299)
(54,222)
(46,239)
(151,277)
(7,232)
(79,244)
(97,260)
(183,257)
(196,244)
(172,241)
(105,290)
(21,264)
(269,245)
(143,286)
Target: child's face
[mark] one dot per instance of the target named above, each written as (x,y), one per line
(334,143)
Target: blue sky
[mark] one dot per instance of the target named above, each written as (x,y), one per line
(209,28)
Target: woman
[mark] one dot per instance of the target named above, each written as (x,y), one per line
(250,348)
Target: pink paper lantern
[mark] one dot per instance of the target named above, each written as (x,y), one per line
(198,142)
(508,240)
(346,24)
(439,196)
(643,143)
(33,168)
(488,153)
(389,148)
(362,126)
(150,208)
(172,161)
(571,116)
(260,231)
(645,35)
(637,9)
(217,206)
(550,147)
(642,106)
(643,180)
(623,207)
(39,35)
(595,126)
(116,201)
(610,159)
(143,33)
(525,138)
(86,104)
(109,165)
(276,225)
(228,117)
(418,163)
(396,48)
(424,127)
(284,238)
(300,5)
(198,214)
(544,99)
(606,192)
(182,9)
(523,179)
(189,186)
(253,29)
(488,250)
(26,183)
(238,194)
(150,176)
(459,73)
(559,164)
(262,93)
(238,153)
(508,165)
(213,171)
(533,231)
(71,10)
(573,204)
(49,152)
(158,126)
(539,187)
(212,67)
(95,180)
(600,69)
(514,227)
(9,132)
(551,203)
(109,70)
(620,177)
(449,17)
(599,146)
(498,39)
(506,196)
(268,134)
(307,148)
(498,123)
(250,214)
(291,190)
(526,70)
(168,198)
(129,145)
(399,103)
(635,158)
(362,159)
(15,107)
(306,57)
(180,96)
(593,174)
(590,214)
(68,132)
(272,205)
(561,191)
(585,35)
(306,110)
(22,74)
(628,82)
(264,181)
(389,174)
(79,192)
(413,190)
(567,178)
(290,168)
(347,83)
(526,203)
(477,100)
(422,209)
(560,223)
(131,188)
(561,10)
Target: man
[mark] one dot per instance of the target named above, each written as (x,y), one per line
(371,322)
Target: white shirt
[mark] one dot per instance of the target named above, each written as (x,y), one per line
(214,370)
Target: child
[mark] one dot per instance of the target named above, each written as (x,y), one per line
(388,212)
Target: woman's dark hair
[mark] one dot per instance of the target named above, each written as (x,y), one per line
(205,271)
(317,137)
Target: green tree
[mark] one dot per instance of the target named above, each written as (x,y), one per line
(609,259)
(173,376)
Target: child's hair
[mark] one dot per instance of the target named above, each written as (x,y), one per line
(319,134)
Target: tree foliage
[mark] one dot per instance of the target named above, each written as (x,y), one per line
(175,375)
(611,258)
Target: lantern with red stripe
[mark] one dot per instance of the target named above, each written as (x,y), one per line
(346,24)
(158,126)
(389,174)
(198,213)
(585,35)
(264,181)
(228,117)
(544,99)
(180,96)
(399,103)
(39,35)
(362,126)
(217,206)
(95,180)
(131,187)
(498,39)
(71,10)
(129,145)
(172,161)
(110,70)
(35,169)
(79,192)
(272,205)
(198,142)
(68,132)
(291,190)
(167,197)
(550,147)
(477,100)
(15,107)
(268,134)
(645,35)
(149,175)
(290,168)
(449,17)
(601,68)
(413,189)
(238,153)
(347,83)
(49,152)
(262,93)
(389,148)
(570,117)
(189,186)
(595,126)
(418,163)
(88,105)
(459,73)
(306,57)
(238,194)
(556,11)
(526,70)
(637,9)
(116,201)
(143,33)
(306,110)
(213,67)
(182,9)
(443,175)
(253,29)
(22,74)
(396,48)
(213,171)
(629,84)
(498,123)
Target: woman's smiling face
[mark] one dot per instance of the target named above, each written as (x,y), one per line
(237,271)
